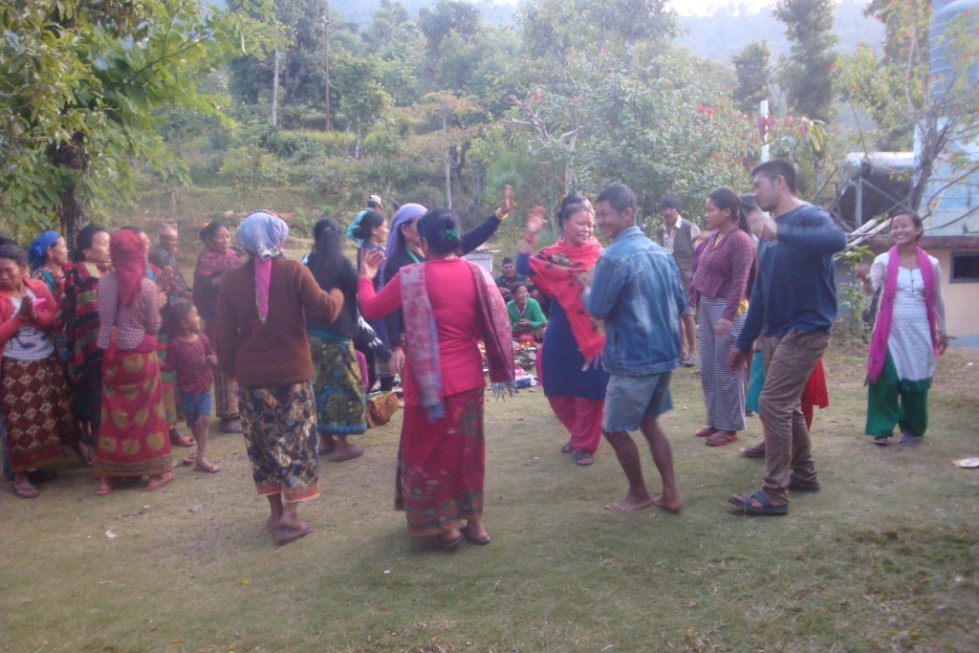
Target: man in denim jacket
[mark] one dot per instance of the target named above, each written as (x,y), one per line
(636,289)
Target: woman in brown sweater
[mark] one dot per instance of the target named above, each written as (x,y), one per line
(261,342)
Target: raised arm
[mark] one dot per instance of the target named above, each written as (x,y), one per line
(479,235)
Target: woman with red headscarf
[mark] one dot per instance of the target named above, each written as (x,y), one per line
(133,439)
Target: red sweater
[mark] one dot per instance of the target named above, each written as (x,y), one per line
(277,352)
(452,294)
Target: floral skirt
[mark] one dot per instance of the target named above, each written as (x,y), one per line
(339,389)
(133,438)
(279,428)
(37,413)
(442,465)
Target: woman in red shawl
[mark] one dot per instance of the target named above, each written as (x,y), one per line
(133,439)
(449,305)
(211,266)
(574,382)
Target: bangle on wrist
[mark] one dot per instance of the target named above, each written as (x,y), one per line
(501,215)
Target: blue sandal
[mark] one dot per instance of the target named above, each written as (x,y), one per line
(796,486)
(767,507)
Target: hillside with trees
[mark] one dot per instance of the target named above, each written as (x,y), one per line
(154,106)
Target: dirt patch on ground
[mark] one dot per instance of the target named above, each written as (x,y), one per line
(958,373)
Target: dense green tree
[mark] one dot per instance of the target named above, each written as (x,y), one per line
(751,66)
(806,75)
(449,19)
(553,28)
(80,83)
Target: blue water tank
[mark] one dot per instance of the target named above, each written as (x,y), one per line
(950,201)
(945,12)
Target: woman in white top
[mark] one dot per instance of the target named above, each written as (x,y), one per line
(908,333)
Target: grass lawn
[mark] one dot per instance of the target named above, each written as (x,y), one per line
(884,558)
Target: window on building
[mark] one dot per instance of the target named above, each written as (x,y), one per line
(965,267)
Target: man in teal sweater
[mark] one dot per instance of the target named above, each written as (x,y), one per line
(526,317)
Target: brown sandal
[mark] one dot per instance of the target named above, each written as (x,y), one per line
(722,438)
(706,432)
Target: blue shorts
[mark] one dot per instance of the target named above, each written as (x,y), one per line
(194,404)
(628,399)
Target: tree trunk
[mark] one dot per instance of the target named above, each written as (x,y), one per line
(275,90)
(448,162)
(357,142)
(73,212)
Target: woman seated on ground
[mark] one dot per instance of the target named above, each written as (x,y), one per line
(721,286)
(134,439)
(340,398)
(574,381)
(527,321)
(208,275)
(449,305)
(261,343)
(34,397)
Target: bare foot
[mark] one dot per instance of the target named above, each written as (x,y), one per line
(631,502)
(669,506)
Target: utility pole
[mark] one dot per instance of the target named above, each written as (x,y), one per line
(275,89)
(327,24)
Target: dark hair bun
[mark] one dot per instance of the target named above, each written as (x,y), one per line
(441,228)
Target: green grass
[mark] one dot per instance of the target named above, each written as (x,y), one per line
(884,558)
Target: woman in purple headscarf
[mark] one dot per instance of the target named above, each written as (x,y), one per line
(404,248)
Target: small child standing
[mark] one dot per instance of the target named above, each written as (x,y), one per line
(190,353)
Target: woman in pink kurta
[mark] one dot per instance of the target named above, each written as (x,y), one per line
(449,308)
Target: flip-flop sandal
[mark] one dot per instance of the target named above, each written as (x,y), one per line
(451,545)
(796,486)
(881,441)
(706,432)
(567,448)
(767,507)
(582,458)
(190,459)
(721,438)
(182,441)
(209,468)
(355,452)
(109,487)
(25,492)
(285,535)
(167,478)
(476,541)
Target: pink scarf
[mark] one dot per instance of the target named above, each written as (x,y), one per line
(882,330)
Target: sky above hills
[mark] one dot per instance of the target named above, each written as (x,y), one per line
(697,7)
